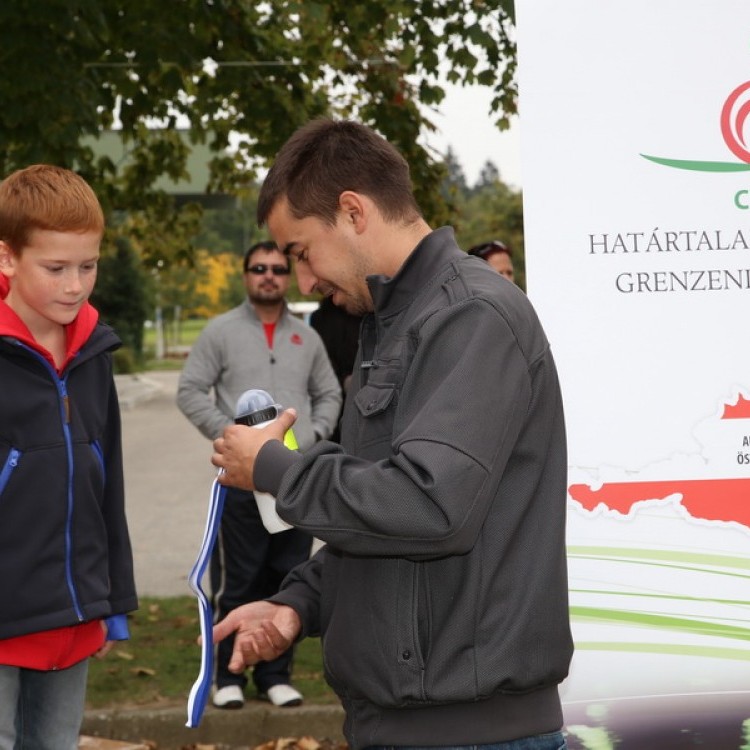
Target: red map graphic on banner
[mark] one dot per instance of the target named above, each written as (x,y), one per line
(706,499)
(741,410)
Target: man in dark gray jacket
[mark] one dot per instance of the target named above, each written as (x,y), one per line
(441,595)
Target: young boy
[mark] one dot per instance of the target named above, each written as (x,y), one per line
(66,569)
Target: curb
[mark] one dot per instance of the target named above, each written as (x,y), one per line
(252,725)
(135,389)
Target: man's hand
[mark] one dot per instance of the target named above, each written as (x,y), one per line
(264,631)
(237,449)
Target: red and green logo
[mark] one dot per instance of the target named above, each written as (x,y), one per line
(734,115)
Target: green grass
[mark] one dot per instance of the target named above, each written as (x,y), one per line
(177,340)
(173,363)
(185,335)
(160,662)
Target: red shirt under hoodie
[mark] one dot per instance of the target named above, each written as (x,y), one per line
(61,647)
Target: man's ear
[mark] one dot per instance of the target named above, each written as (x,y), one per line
(354,209)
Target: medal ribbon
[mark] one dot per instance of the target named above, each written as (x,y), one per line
(202,686)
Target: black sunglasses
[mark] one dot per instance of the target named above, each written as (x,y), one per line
(260,268)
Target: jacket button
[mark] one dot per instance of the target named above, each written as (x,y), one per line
(371,405)
(406,655)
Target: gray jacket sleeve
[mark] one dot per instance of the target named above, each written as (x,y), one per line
(300,590)
(194,391)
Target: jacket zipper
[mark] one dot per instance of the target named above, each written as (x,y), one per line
(10,463)
(64,401)
(99,453)
(369,339)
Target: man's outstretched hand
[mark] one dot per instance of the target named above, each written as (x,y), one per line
(264,631)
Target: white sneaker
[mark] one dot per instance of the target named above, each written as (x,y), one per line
(282,695)
(230,696)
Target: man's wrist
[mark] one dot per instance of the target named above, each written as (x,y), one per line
(271,463)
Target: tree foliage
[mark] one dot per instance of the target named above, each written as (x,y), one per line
(120,295)
(237,77)
(221,285)
(454,182)
(491,210)
(240,76)
(231,229)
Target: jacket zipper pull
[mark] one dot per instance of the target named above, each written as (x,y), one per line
(65,401)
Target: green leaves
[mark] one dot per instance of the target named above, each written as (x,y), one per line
(231,70)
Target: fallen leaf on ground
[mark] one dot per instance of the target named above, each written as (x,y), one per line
(143,671)
(301,743)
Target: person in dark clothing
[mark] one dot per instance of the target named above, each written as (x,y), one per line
(340,333)
(441,593)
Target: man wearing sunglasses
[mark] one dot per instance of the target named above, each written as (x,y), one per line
(258,344)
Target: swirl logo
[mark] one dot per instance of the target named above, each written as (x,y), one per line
(734,115)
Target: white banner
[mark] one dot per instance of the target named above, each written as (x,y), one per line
(636,183)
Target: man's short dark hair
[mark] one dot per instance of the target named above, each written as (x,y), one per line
(326,157)
(267,246)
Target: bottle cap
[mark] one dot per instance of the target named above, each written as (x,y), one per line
(255,407)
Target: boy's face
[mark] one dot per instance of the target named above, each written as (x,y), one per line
(52,277)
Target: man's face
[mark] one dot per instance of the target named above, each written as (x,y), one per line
(503,264)
(264,283)
(327,259)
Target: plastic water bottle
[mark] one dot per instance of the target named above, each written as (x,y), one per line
(256,408)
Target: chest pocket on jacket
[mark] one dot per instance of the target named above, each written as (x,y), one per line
(376,404)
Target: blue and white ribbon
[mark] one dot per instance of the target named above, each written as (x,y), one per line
(202,686)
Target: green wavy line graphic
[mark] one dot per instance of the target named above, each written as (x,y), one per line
(672,566)
(699,166)
(662,622)
(736,630)
(695,558)
(666,597)
(665,649)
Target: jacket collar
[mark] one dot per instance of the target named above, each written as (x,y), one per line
(250,310)
(434,252)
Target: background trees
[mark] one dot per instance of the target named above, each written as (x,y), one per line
(488,210)
(237,76)
(240,76)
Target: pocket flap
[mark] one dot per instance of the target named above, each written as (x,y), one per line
(372,400)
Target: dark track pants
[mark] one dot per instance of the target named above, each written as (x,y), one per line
(248,564)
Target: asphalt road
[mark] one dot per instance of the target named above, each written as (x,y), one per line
(168,476)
